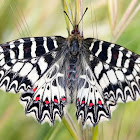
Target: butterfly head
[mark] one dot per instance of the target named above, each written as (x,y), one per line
(75,31)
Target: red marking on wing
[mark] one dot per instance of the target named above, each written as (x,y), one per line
(63,99)
(67,82)
(90,104)
(55,100)
(100,102)
(135,57)
(34,89)
(115,56)
(37,98)
(67,75)
(47,102)
(83,102)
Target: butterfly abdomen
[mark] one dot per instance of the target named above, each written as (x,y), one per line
(72,77)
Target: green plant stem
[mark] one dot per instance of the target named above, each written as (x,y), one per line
(95,133)
(70,129)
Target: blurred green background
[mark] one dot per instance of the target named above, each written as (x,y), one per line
(22,18)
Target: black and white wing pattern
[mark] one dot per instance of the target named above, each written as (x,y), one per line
(110,74)
(32,66)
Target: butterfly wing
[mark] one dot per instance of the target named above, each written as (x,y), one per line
(45,102)
(111,75)
(31,66)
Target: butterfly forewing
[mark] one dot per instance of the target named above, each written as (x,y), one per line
(23,61)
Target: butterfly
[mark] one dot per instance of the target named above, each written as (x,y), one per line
(51,72)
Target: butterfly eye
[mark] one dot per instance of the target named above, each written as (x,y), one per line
(72,32)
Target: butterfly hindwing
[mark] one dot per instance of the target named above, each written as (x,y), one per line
(46,101)
(91,104)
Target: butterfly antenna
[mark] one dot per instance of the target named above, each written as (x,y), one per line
(83,15)
(68,18)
